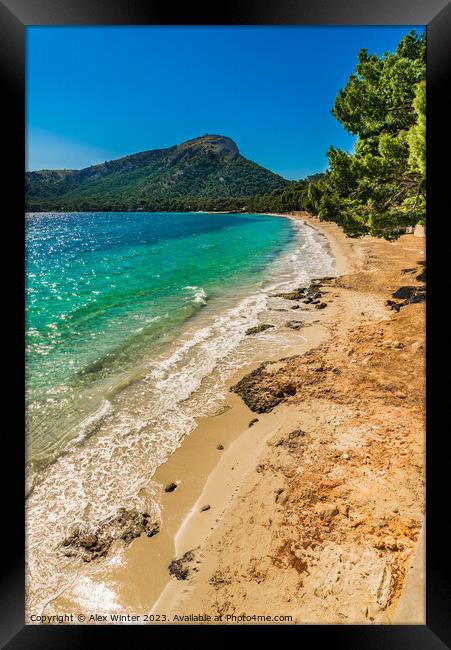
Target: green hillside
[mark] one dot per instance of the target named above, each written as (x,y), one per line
(205,173)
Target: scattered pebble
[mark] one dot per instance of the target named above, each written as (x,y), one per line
(170,487)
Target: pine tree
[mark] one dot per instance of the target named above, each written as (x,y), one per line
(380,188)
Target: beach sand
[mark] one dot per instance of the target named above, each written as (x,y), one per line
(317,527)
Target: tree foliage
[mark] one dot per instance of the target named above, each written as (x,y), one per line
(380,188)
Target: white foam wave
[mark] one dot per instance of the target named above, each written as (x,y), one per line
(200,296)
(89,425)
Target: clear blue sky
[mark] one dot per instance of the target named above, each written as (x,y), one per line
(98,93)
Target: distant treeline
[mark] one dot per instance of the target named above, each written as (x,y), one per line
(294,196)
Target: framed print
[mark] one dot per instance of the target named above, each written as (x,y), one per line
(222,252)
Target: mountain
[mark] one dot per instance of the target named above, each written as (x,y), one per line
(205,173)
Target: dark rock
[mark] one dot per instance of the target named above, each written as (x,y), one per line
(170,487)
(295,307)
(294,324)
(316,295)
(422,276)
(419,297)
(220,447)
(321,305)
(133,524)
(88,541)
(252,422)
(179,569)
(258,328)
(409,294)
(297,294)
(306,294)
(91,544)
(153,530)
(286,389)
(262,396)
(204,508)
(292,439)
(297,433)
(405,292)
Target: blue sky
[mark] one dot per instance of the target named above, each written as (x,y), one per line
(99,93)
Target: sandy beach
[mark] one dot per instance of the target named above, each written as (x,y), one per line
(301,499)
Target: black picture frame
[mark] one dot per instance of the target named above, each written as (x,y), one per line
(15,16)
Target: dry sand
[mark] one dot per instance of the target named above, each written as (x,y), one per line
(319,526)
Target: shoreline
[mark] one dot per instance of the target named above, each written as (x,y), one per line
(216,478)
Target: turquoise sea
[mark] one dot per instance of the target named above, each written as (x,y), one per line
(104,289)
(134,323)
